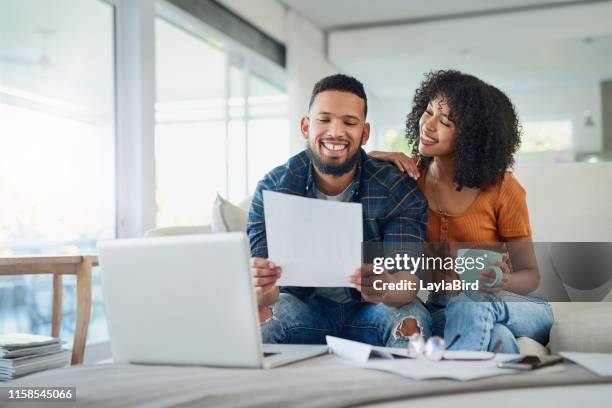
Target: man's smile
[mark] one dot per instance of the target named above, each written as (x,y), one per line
(334,148)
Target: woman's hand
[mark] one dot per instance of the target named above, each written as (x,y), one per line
(489,275)
(403,162)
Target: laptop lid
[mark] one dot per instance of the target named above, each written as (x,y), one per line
(181,300)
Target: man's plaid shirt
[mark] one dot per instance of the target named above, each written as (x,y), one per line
(394,209)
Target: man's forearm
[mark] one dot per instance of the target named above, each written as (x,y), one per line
(269,298)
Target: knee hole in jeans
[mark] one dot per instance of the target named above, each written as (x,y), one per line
(407,327)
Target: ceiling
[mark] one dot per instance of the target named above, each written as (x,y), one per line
(518,45)
(60,48)
(518,67)
(331,15)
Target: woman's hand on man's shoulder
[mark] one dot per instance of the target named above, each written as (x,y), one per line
(404,163)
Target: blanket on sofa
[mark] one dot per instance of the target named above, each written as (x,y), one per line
(325,381)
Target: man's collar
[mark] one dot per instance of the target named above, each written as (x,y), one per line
(310,181)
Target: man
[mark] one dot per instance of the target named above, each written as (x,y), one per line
(335,167)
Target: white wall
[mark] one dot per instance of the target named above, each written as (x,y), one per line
(568,202)
(565,102)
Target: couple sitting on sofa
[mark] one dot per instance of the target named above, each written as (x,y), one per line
(464,133)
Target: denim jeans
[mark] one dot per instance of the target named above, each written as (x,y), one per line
(308,321)
(484,318)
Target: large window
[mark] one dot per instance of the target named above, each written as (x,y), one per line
(190,133)
(221,122)
(268,128)
(57,179)
(220,125)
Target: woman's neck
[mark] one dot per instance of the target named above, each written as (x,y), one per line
(443,169)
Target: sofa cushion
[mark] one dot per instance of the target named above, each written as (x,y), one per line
(585,330)
(227,217)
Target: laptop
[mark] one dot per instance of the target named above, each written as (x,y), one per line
(187,300)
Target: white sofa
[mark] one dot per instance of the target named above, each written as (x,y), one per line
(570,202)
(567,203)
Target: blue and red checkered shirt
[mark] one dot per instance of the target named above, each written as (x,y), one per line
(394,209)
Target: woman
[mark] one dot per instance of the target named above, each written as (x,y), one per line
(464,133)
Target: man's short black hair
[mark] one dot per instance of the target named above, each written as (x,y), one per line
(342,83)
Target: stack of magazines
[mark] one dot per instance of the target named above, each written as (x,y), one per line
(22,354)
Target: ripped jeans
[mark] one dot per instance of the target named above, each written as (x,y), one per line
(308,321)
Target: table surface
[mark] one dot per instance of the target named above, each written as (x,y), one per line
(46,259)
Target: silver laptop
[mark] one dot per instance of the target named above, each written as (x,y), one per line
(187,300)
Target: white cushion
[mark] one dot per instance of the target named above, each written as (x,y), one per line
(227,217)
(584,330)
(530,347)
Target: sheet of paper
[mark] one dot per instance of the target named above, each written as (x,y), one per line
(395,361)
(423,369)
(598,363)
(316,242)
(358,352)
(362,352)
(467,355)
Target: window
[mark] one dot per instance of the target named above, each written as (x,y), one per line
(546,135)
(57,179)
(220,125)
(190,131)
(221,122)
(268,129)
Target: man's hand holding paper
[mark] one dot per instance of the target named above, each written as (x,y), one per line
(327,248)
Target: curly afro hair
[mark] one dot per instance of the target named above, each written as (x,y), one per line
(488,131)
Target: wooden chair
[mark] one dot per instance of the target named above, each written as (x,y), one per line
(79,265)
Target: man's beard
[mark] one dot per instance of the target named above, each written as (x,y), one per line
(332,169)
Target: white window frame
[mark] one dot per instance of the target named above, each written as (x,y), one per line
(135,100)
(135,115)
(236,54)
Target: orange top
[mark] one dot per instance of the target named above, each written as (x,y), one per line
(498,212)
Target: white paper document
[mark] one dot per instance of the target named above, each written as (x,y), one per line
(423,369)
(316,242)
(395,361)
(598,363)
(361,352)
